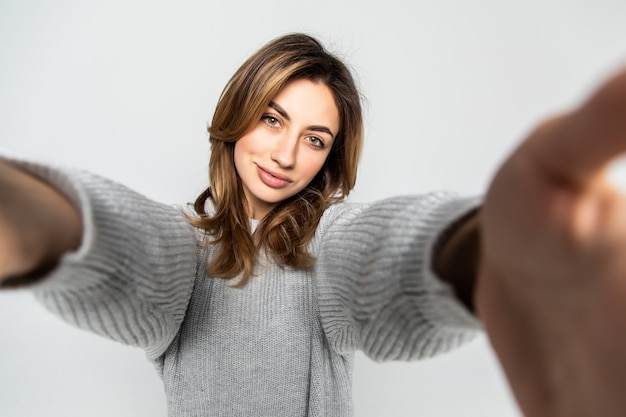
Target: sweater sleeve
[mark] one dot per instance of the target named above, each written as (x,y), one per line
(376,288)
(132,276)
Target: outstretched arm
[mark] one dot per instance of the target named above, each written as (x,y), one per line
(551,290)
(455,259)
(130,279)
(37,226)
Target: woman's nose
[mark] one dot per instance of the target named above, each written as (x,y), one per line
(284,153)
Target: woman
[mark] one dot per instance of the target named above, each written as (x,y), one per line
(255,303)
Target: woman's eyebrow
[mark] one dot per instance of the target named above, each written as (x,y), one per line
(283,113)
(280,110)
(322,129)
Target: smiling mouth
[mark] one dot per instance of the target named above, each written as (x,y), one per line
(272,179)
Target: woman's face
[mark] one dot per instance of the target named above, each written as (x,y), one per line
(286,149)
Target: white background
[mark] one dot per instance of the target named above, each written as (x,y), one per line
(125,88)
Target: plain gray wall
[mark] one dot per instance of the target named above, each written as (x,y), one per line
(125,88)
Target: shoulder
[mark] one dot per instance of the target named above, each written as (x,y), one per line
(339,212)
(394,213)
(347,211)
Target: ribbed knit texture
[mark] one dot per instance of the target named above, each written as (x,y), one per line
(284,344)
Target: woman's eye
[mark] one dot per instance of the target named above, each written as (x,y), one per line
(317,142)
(271,120)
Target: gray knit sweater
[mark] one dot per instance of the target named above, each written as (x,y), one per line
(284,344)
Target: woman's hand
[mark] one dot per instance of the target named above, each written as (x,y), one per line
(37,225)
(552,281)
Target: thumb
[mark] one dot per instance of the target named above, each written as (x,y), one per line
(577,146)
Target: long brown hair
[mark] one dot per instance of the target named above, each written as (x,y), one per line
(285,232)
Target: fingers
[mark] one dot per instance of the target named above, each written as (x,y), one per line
(577,146)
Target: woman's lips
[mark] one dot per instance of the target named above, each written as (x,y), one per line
(272,179)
